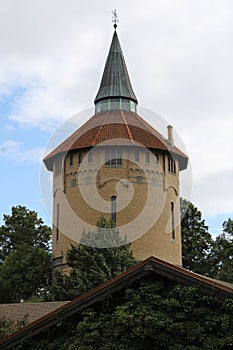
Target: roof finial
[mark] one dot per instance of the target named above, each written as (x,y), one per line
(115,18)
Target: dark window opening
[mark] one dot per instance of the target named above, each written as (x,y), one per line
(80,158)
(71,160)
(156,158)
(173,221)
(113,208)
(147,155)
(57,223)
(171,166)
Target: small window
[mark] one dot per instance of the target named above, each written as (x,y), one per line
(80,158)
(58,166)
(73,182)
(113,158)
(139,180)
(71,160)
(90,157)
(173,221)
(147,156)
(156,158)
(171,165)
(136,155)
(57,222)
(113,208)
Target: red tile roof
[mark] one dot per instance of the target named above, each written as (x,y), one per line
(116,127)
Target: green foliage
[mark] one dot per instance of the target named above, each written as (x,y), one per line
(222,253)
(146,315)
(23,273)
(92,265)
(22,226)
(7,327)
(196,240)
(24,254)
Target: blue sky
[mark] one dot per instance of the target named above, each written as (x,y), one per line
(179,55)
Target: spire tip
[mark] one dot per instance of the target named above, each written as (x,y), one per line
(115,19)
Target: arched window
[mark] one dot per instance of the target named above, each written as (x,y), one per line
(113,208)
(80,158)
(173,221)
(71,160)
(171,166)
(57,222)
(136,155)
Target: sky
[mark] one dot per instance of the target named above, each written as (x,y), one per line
(179,56)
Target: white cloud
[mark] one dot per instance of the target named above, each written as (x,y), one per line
(9,147)
(14,151)
(179,55)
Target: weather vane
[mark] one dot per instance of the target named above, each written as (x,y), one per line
(115,18)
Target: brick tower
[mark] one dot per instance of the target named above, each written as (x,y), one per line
(118,166)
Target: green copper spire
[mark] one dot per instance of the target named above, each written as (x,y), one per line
(115,90)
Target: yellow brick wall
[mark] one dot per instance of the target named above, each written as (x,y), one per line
(144,191)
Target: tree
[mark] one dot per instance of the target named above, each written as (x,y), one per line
(91,264)
(23,226)
(24,272)
(7,326)
(24,254)
(222,253)
(196,240)
(147,314)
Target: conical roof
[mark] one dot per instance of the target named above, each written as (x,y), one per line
(115,82)
(116,128)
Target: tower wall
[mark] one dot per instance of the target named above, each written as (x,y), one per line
(144,194)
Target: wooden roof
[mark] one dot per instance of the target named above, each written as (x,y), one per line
(31,311)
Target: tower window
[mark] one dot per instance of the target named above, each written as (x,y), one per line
(113,208)
(113,158)
(173,221)
(57,222)
(71,160)
(73,182)
(147,156)
(80,158)
(136,155)
(171,165)
(90,157)
(156,158)
(58,166)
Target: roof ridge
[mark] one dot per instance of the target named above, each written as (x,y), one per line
(127,126)
(100,129)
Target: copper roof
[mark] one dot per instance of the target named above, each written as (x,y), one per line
(151,267)
(115,81)
(116,127)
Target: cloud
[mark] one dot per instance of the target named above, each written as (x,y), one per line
(214,193)
(179,56)
(14,151)
(8,148)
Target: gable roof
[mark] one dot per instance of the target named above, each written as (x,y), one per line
(32,311)
(115,80)
(116,127)
(152,267)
